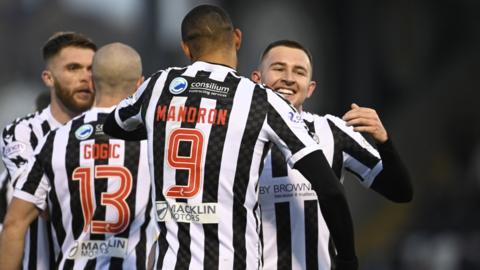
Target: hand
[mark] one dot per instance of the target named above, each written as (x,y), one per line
(366,120)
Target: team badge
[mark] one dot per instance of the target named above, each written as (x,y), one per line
(178,85)
(84,132)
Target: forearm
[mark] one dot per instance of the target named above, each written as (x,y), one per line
(394,181)
(336,213)
(19,216)
(333,204)
(11,246)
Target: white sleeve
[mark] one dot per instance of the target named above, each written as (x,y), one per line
(359,156)
(16,149)
(26,188)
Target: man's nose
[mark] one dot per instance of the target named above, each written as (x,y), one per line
(288,77)
(86,74)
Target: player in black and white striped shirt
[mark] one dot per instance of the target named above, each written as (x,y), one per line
(208,132)
(68,59)
(6,188)
(294,231)
(98,188)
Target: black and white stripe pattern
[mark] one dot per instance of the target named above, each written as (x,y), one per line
(99,195)
(19,140)
(5,196)
(225,123)
(289,205)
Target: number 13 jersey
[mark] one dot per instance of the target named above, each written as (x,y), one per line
(98,193)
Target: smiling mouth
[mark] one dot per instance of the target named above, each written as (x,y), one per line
(285,92)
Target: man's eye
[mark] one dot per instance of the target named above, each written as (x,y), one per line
(72,67)
(301,72)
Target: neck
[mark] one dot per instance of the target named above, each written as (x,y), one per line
(105,100)
(60,112)
(227,57)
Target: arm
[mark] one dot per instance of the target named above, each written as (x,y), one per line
(19,216)
(333,205)
(303,153)
(393,181)
(125,121)
(111,128)
(15,148)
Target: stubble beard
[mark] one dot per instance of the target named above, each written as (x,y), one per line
(68,100)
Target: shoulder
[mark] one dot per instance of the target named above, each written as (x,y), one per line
(22,125)
(25,120)
(338,122)
(276,99)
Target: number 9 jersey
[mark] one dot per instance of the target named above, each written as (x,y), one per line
(209,130)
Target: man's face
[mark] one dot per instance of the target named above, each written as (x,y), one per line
(287,71)
(71,78)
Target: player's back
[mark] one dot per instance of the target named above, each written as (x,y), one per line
(209,130)
(205,185)
(100,196)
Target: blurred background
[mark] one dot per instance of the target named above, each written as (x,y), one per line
(417,62)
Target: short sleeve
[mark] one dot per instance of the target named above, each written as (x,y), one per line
(359,156)
(16,148)
(32,184)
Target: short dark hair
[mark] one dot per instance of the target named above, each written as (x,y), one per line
(290,44)
(206,25)
(60,40)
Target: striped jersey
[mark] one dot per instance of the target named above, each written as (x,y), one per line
(209,130)
(295,234)
(18,143)
(98,193)
(5,196)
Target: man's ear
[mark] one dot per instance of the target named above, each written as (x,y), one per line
(47,78)
(140,81)
(186,50)
(256,77)
(237,38)
(311,88)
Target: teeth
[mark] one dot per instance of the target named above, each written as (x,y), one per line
(284,91)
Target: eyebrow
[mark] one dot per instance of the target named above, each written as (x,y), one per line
(75,63)
(284,64)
